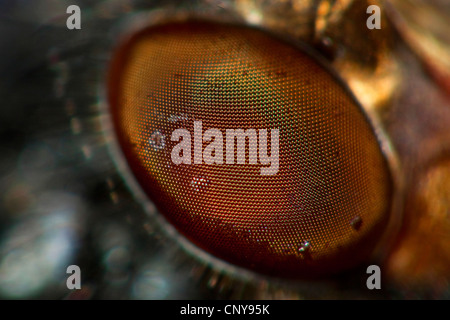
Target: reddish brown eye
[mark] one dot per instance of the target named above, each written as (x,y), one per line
(299,188)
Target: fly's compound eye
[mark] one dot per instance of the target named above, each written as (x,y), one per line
(250,148)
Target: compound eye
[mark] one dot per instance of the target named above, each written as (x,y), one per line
(250,148)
